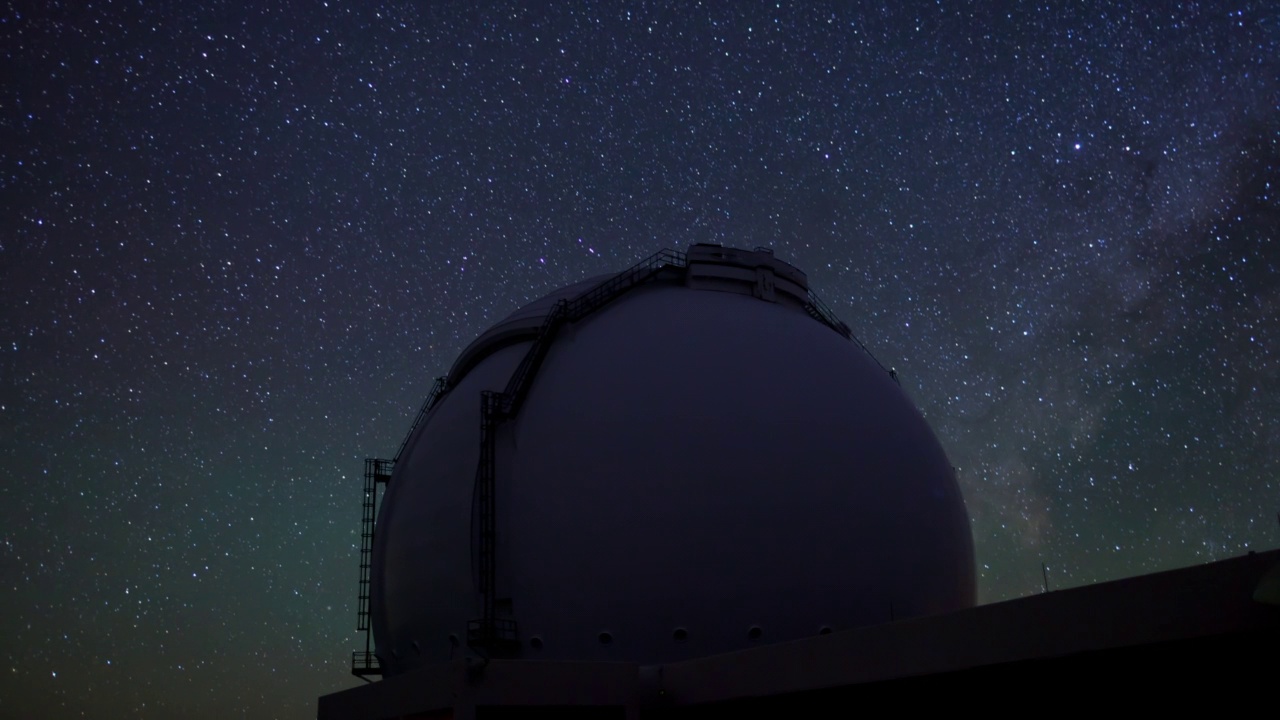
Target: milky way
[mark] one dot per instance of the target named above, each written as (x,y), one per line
(239,243)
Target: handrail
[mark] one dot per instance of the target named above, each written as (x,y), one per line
(823,314)
(436,392)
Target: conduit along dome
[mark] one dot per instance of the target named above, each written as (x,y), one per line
(689,457)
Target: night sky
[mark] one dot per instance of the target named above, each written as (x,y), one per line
(237,245)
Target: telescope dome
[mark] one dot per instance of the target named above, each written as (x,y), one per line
(689,457)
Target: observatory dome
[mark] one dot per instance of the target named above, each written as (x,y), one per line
(685,458)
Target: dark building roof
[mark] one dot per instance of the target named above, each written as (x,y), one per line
(1203,633)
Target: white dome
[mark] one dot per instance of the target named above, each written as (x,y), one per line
(699,465)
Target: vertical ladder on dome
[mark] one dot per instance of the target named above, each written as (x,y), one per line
(377,471)
(490,632)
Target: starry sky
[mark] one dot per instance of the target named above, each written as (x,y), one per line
(238,241)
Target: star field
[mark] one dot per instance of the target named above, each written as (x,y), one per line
(238,243)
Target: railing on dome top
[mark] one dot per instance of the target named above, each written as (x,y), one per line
(819,311)
(433,397)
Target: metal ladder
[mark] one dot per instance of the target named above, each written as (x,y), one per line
(490,633)
(377,471)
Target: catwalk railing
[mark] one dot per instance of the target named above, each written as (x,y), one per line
(819,311)
(437,391)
